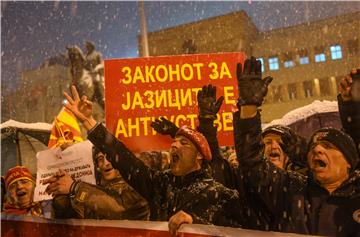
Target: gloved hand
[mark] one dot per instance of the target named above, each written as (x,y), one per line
(349,86)
(207,103)
(252,89)
(355,87)
(295,147)
(164,127)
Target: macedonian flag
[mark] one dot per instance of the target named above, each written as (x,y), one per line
(65,129)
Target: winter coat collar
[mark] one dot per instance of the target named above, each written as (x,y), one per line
(186,180)
(349,188)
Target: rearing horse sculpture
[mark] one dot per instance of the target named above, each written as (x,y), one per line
(87,83)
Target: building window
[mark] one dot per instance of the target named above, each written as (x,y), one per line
(292,91)
(335,52)
(308,88)
(353,46)
(320,57)
(288,64)
(262,64)
(324,87)
(304,60)
(273,63)
(320,54)
(288,60)
(277,94)
(189,46)
(304,56)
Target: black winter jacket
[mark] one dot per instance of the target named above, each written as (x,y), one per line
(207,201)
(298,203)
(255,211)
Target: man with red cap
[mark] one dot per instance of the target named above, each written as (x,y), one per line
(20,185)
(185,194)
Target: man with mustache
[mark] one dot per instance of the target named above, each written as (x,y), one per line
(186,194)
(327,202)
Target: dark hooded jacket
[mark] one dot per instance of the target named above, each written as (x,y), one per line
(298,202)
(207,201)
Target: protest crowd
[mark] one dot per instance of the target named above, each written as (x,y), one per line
(270,180)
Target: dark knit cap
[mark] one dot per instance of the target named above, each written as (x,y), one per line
(341,140)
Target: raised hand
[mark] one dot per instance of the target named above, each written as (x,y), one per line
(252,88)
(295,147)
(345,88)
(349,86)
(207,103)
(355,88)
(81,108)
(164,127)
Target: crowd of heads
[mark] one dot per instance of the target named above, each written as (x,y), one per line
(330,156)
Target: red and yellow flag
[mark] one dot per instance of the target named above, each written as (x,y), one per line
(65,129)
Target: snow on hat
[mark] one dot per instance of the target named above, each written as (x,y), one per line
(279,129)
(198,139)
(339,139)
(17,173)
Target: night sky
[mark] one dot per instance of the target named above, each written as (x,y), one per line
(34,31)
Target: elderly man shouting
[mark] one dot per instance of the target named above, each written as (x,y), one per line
(186,194)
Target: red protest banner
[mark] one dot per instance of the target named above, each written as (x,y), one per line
(139,90)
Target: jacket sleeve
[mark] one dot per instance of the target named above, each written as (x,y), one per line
(350,119)
(272,184)
(62,208)
(221,169)
(105,204)
(133,170)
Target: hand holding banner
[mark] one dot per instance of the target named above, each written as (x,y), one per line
(76,160)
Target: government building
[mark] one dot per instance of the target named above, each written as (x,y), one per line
(306,61)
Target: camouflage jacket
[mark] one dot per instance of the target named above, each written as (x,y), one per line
(113,200)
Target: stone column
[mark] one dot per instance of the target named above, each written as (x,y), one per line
(300,92)
(333,86)
(316,84)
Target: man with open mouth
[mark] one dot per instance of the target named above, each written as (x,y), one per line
(185,194)
(285,148)
(20,185)
(111,199)
(324,203)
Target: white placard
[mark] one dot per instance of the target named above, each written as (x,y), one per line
(75,160)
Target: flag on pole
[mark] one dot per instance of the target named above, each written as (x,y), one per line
(65,129)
